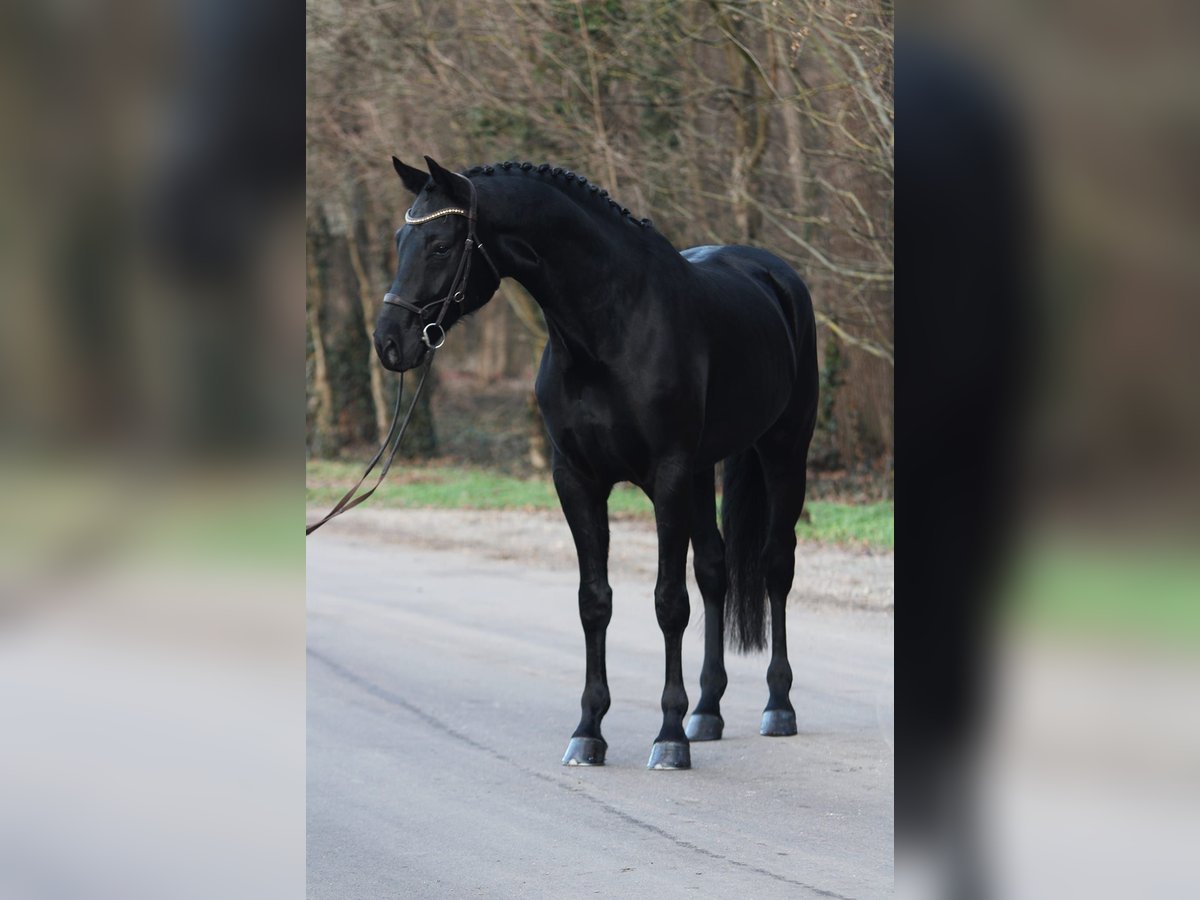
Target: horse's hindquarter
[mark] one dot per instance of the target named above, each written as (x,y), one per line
(746,312)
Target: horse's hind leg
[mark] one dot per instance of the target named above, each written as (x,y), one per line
(586,509)
(779,718)
(706,723)
(786,480)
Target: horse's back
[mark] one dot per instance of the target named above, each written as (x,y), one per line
(739,279)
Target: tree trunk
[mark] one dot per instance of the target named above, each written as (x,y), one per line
(789,108)
(530,316)
(420,441)
(379,395)
(750,130)
(493,342)
(322,388)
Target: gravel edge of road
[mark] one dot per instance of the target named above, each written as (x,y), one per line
(826,576)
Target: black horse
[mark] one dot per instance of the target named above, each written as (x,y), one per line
(659,365)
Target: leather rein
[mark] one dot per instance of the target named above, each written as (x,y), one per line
(457,294)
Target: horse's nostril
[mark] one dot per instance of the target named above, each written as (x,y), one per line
(391,355)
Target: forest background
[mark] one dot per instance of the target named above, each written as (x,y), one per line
(767,122)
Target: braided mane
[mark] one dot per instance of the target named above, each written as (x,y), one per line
(566,179)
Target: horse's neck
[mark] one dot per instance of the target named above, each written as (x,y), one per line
(591,275)
(586,311)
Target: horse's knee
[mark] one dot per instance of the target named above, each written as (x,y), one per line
(779,675)
(595,605)
(671,607)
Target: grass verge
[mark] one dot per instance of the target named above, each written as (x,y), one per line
(1124,594)
(869,525)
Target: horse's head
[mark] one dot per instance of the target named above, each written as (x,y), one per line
(442,271)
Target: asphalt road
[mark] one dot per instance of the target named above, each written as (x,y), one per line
(443,688)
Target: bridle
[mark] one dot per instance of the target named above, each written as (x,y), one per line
(458,287)
(458,293)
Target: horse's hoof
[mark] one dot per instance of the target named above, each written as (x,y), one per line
(778,723)
(585,751)
(670,755)
(705,727)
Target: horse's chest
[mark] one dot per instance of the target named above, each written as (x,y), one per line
(595,428)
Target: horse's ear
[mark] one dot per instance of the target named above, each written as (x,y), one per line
(446,180)
(414,179)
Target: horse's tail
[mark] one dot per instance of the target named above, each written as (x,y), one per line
(744,523)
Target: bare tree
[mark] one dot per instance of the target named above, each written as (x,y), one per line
(764,121)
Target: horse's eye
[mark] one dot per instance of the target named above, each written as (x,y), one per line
(441,249)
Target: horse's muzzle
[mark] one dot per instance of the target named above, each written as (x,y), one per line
(395,357)
(387,350)
(390,354)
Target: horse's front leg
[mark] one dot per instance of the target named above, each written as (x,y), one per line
(672,513)
(585,505)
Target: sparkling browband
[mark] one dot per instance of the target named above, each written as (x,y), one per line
(452,211)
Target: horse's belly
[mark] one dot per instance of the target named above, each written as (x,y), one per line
(733,429)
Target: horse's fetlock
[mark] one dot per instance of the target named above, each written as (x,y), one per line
(596,697)
(674,700)
(779,675)
(714,682)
